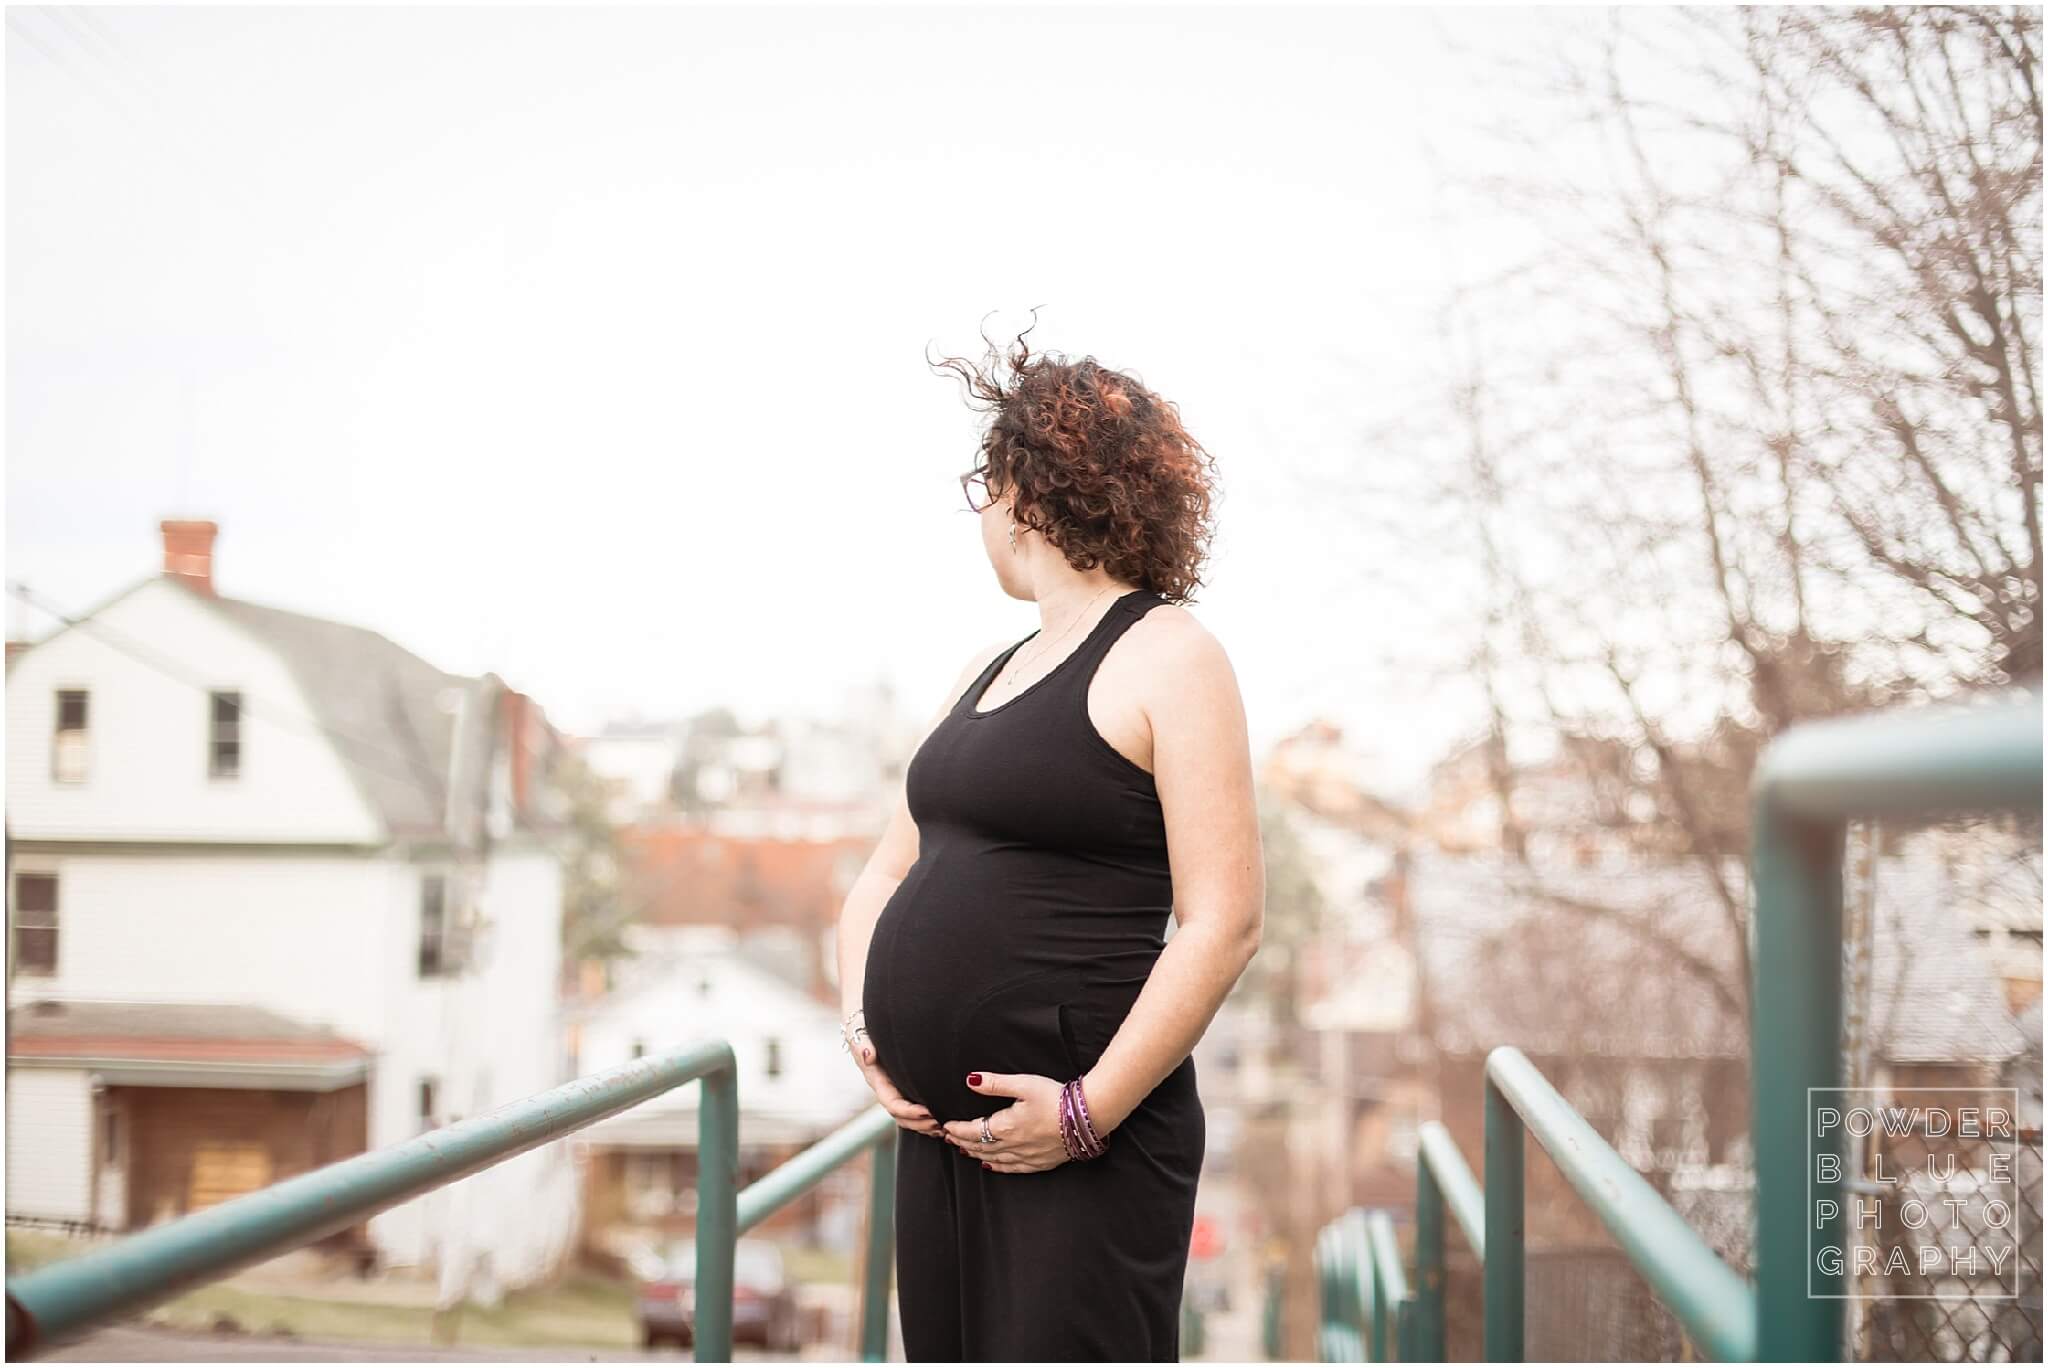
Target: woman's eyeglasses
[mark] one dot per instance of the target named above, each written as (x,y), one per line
(976,487)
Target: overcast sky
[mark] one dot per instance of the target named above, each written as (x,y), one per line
(589,346)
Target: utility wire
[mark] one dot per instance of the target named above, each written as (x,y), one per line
(103,94)
(365,750)
(129,79)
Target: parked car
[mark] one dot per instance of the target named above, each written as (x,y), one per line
(764,1309)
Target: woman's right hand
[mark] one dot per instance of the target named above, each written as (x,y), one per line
(909,1115)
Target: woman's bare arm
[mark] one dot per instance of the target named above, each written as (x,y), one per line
(1201,758)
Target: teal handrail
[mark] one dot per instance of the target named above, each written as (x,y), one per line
(1341,1335)
(1443,1182)
(74,1296)
(1389,1286)
(1717,1308)
(1273,1312)
(876,1130)
(1809,784)
(1450,1184)
(1713,1302)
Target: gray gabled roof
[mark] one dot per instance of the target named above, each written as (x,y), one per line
(390,715)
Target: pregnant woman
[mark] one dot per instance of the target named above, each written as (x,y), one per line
(1013,996)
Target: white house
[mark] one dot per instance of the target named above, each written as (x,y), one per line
(683,985)
(639,762)
(279,891)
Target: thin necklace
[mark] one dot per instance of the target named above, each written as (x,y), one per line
(1040,653)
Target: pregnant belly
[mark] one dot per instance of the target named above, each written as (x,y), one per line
(964,976)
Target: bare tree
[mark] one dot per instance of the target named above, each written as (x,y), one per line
(1751,434)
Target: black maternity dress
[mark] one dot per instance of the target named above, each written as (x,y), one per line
(1017,943)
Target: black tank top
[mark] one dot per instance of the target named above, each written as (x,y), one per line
(1039,899)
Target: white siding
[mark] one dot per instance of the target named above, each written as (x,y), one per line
(492,1038)
(49,1144)
(303,935)
(682,996)
(326,937)
(147,776)
(522,895)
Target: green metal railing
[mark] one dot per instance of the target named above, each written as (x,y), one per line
(1809,785)
(1709,1298)
(1443,1183)
(1343,1289)
(75,1296)
(876,1130)
(1273,1313)
(1389,1286)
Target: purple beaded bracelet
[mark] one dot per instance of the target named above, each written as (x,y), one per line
(1072,1125)
(1094,1142)
(1077,1128)
(1070,1129)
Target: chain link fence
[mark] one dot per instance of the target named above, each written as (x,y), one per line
(1946,1259)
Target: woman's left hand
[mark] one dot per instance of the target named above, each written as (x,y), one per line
(1027,1131)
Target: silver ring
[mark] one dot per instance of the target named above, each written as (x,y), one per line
(986,1137)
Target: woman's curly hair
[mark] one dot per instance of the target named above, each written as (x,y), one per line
(1100,464)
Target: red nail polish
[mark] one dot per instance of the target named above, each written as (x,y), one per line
(974,1081)
(986,1164)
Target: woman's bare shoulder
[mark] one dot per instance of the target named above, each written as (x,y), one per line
(1171,639)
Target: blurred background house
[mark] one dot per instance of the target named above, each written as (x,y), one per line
(280,891)
(795,1086)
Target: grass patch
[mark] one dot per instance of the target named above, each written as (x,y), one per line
(822,1266)
(581,1310)
(30,1249)
(305,1317)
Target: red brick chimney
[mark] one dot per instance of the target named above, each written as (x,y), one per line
(520,747)
(188,551)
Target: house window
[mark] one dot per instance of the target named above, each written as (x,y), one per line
(430,1101)
(433,925)
(68,754)
(112,1134)
(224,741)
(1667,1136)
(774,1061)
(35,923)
